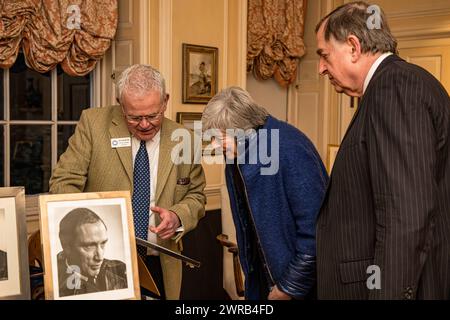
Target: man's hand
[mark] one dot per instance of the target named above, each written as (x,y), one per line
(169,223)
(277,294)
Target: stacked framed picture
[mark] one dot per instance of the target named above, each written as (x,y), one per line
(14,270)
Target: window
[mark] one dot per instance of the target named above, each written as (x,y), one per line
(38,114)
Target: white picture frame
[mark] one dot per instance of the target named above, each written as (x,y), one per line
(14,273)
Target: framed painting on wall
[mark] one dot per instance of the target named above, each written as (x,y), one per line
(188,120)
(200,68)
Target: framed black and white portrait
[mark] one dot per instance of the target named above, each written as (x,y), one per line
(14,270)
(89,246)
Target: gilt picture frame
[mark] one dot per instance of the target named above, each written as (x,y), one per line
(188,119)
(200,73)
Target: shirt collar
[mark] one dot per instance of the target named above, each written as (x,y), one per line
(374,68)
(157,136)
(155,139)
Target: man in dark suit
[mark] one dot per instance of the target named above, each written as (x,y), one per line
(82,267)
(384,227)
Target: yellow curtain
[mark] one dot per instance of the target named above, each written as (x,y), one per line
(75,33)
(275,38)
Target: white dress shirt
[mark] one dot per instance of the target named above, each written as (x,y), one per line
(374,68)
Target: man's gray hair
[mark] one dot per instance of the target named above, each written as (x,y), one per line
(233,108)
(138,80)
(352,19)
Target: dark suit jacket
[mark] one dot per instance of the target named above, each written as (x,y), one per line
(388,200)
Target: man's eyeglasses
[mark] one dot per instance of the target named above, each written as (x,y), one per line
(150,118)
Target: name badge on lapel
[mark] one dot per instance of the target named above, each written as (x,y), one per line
(183,181)
(121,143)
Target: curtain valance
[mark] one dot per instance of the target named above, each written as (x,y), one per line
(275,38)
(75,33)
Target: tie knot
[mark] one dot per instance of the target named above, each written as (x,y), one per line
(142,144)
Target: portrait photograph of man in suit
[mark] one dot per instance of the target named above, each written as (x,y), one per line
(82,265)
(387,207)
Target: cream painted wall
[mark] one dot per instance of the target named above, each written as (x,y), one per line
(270,95)
(197,22)
(216,23)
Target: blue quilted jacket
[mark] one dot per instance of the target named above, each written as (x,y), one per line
(283,207)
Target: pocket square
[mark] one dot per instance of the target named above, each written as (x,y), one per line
(183,181)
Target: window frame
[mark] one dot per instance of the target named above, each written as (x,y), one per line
(6,122)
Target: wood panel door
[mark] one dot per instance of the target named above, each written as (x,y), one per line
(435,60)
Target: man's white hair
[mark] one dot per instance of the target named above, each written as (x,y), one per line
(139,80)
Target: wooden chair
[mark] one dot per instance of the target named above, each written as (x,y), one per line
(34,249)
(232,248)
(36,266)
(145,278)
